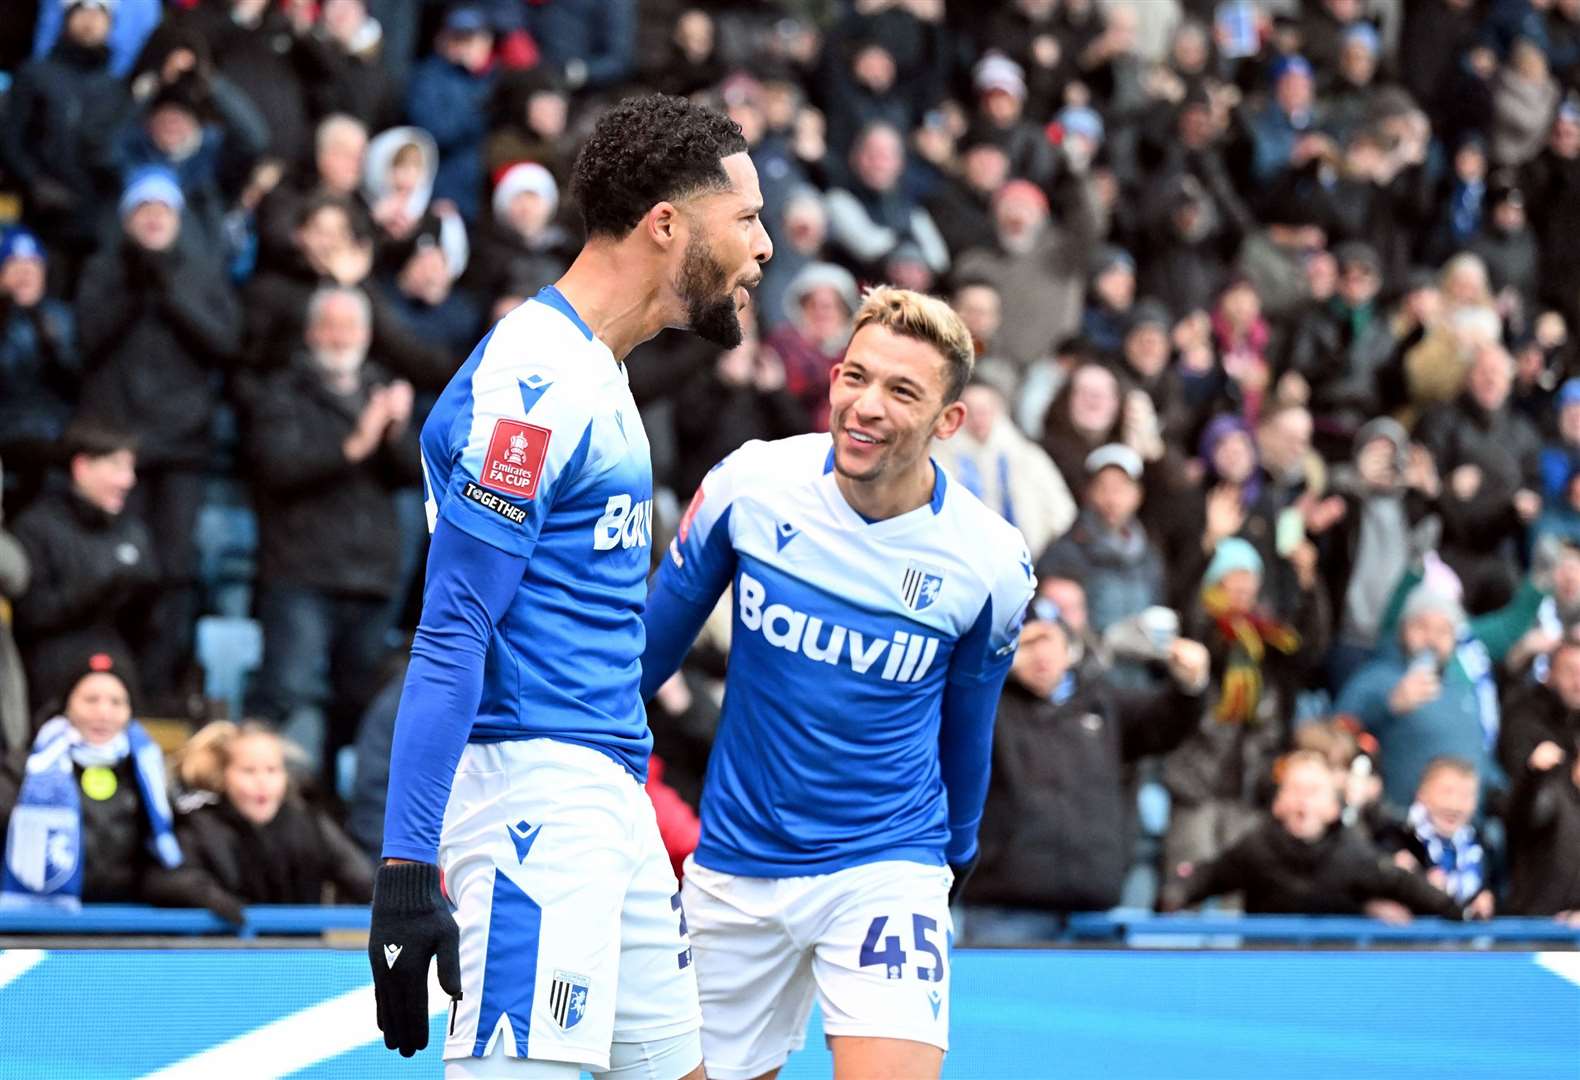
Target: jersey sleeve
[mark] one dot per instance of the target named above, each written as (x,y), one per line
(511,456)
(986,650)
(701,558)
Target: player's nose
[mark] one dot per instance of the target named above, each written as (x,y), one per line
(762,245)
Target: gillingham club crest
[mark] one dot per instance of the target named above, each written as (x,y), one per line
(568,999)
(920,586)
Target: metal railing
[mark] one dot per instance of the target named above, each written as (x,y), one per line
(1120,926)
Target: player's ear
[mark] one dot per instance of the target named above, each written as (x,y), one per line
(665,225)
(949,420)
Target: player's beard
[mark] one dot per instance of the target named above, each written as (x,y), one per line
(710,304)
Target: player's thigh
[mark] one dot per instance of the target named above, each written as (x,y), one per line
(535,861)
(754,979)
(657,994)
(859,1058)
(882,959)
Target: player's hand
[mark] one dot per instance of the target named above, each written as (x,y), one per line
(411,925)
(962,872)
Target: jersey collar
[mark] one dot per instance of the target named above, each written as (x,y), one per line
(935,504)
(555,299)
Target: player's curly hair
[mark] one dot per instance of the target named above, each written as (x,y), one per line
(647,150)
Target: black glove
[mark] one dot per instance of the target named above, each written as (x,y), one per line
(411,924)
(962,872)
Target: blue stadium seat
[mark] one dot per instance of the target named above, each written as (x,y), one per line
(229,649)
(227,540)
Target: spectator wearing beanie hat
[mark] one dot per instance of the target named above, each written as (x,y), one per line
(819,307)
(521,247)
(1417,702)
(85,810)
(40,367)
(1039,264)
(155,325)
(1260,661)
(448,97)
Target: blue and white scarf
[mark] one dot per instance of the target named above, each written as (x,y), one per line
(1458,856)
(1477,664)
(43,849)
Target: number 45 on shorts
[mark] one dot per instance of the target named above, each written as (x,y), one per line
(892,955)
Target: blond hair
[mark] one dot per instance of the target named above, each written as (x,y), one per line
(200,764)
(927,319)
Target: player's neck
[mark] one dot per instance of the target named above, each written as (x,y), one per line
(889,497)
(619,307)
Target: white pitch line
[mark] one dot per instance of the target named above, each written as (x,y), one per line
(15,963)
(294,1042)
(1565,965)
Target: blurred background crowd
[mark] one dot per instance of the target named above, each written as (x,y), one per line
(1273,305)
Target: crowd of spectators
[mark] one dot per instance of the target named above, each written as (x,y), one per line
(1273,307)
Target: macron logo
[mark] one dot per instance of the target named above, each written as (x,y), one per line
(905,658)
(391,954)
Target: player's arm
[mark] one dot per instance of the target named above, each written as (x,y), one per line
(975,680)
(698,567)
(469,587)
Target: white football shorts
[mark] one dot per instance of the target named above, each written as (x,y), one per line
(571,932)
(871,943)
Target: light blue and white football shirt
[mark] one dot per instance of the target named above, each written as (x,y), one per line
(848,636)
(536,450)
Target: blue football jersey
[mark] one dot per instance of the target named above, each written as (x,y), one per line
(845,634)
(536,448)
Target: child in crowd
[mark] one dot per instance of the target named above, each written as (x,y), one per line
(85,810)
(257,839)
(1439,839)
(1304,861)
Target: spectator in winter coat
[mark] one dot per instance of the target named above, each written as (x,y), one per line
(85,811)
(1007,471)
(1561,456)
(872,216)
(532,109)
(331,247)
(1339,346)
(1490,460)
(350,45)
(204,130)
(40,367)
(330,440)
(16,726)
(157,323)
(962,207)
(1542,713)
(1002,114)
(397,185)
(1086,413)
(340,145)
(1551,184)
(1055,829)
(131,23)
(449,96)
(1109,299)
(1524,96)
(1509,248)
(254,837)
(266,50)
(1038,265)
(93,564)
(1439,840)
(1417,702)
(1303,862)
(861,88)
(1107,549)
(521,248)
(819,307)
(1544,834)
(592,41)
(742,397)
(1261,659)
(1288,119)
(57,138)
(423,295)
